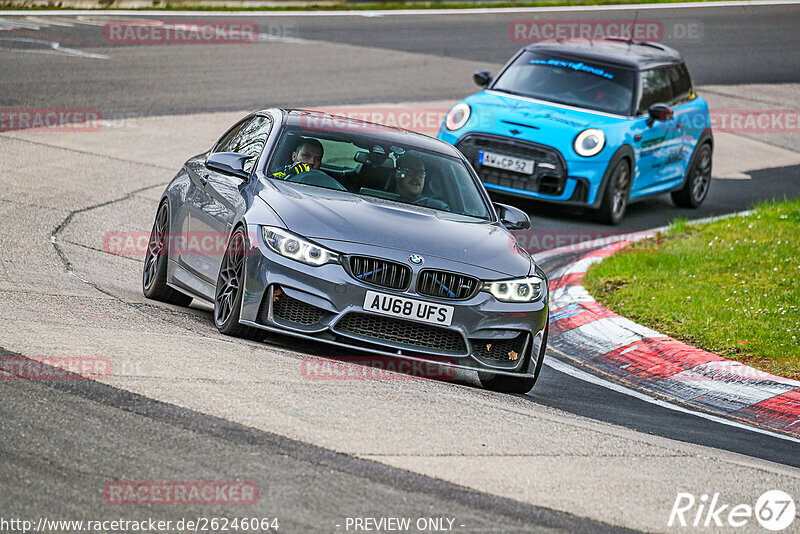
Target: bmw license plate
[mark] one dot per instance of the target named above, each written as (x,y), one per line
(415,310)
(507,163)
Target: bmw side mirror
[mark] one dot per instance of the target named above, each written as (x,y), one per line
(482,78)
(229,163)
(659,112)
(512,218)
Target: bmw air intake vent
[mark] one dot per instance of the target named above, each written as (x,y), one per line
(383,273)
(445,285)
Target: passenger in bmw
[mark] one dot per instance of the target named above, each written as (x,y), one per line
(306,156)
(410,175)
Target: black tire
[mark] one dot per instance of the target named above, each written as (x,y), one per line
(513,384)
(154,273)
(615,197)
(698,180)
(228,295)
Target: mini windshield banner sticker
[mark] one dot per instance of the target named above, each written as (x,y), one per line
(583,67)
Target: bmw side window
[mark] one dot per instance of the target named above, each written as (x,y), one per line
(252,140)
(230,139)
(681,84)
(656,88)
(247,138)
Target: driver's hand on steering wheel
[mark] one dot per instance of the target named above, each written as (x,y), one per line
(298,168)
(294,170)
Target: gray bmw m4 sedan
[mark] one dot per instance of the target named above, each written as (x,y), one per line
(360,235)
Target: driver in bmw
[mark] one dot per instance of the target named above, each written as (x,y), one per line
(410,178)
(307,156)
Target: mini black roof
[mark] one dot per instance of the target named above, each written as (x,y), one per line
(637,55)
(381,134)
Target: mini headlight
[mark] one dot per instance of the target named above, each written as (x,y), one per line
(457,116)
(291,246)
(590,142)
(520,290)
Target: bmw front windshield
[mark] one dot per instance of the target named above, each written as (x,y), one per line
(368,165)
(570,82)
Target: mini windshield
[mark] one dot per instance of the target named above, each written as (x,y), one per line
(570,82)
(373,167)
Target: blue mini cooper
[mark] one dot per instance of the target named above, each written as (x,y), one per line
(596,124)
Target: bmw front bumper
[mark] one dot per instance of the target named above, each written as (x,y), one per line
(326,304)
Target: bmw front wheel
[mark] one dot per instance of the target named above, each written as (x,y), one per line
(230,288)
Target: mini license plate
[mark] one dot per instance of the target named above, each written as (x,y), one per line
(415,310)
(507,163)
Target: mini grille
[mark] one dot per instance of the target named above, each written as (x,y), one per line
(401,331)
(379,272)
(289,309)
(500,352)
(446,285)
(548,178)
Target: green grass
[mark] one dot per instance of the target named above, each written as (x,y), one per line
(731,287)
(345,5)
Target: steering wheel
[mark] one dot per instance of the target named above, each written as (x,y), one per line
(318,178)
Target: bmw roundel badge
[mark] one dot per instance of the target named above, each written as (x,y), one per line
(416,259)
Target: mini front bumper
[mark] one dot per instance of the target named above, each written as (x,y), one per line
(582,178)
(326,304)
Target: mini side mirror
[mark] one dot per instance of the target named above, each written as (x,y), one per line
(659,112)
(482,78)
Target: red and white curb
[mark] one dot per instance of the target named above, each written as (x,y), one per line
(598,338)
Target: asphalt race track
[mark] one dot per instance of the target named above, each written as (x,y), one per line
(191,404)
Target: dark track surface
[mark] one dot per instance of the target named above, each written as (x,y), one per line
(721,49)
(726,45)
(309,489)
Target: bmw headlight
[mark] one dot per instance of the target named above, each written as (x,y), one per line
(457,116)
(519,290)
(590,142)
(295,247)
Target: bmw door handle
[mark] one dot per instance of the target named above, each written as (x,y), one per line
(204,179)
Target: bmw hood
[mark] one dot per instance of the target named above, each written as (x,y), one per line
(328,215)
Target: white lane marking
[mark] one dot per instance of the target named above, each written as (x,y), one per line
(420,12)
(50,22)
(592,379)
(93,20)
(49,46)
(564,296)
(6,25)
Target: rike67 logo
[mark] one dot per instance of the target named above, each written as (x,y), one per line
(774,510)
